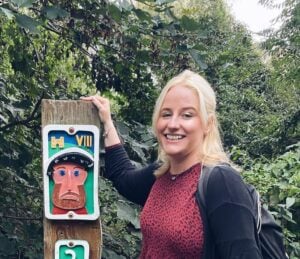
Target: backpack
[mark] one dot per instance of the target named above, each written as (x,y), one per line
(270,237)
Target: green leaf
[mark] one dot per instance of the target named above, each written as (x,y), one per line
(123,128)
(189,24)
(23,3)
(115,12)
(143,56)
(198,58)
(53,12)
(9,14)
(290,202)
(162,2)
(124,5)
(7,245)
(200,46)
(143,1)
(127,213)
(142,15)
(27,22)
(107,253)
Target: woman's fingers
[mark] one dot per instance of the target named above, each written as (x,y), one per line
(102,105)
(91,99)
(95,99)
(86,98)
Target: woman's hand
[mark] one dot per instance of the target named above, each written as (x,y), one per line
(110,134)
(103,107)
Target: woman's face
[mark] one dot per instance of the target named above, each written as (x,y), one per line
(179,128)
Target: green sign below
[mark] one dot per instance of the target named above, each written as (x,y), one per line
(71,249)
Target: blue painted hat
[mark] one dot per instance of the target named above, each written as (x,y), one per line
(72,155)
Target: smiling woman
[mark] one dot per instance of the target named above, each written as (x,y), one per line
(186,127)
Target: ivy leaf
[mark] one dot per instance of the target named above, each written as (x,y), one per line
(53,12)
(127,213)
(162,2)
(189,24)
(289,202)
(23,3)
(143,56)
(6,245)
(123,128)
(142,1)
(198,58)
(108,253)
(124,4)
(27,22)
(115,12)
(9,14)
(142,15)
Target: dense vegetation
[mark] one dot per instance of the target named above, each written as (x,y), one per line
(65,49)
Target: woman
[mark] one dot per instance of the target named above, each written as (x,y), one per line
(185,125)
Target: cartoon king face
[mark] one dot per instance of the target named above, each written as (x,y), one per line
(69,172)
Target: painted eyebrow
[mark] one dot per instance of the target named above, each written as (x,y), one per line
(79,168)
(60,167)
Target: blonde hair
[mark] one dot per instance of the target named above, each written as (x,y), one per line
(211,150)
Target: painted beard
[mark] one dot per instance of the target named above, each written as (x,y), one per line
(70,200)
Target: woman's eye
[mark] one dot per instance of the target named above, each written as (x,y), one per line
(187,115)
(165,114)
(76,173)
(62,172)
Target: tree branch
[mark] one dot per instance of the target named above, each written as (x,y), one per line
(25,122)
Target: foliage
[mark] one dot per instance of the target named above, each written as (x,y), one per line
(283,46)
(65,49)
(120,222)
(279,184)
(32,67)
(133,51)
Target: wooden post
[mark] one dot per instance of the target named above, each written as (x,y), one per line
(81,113)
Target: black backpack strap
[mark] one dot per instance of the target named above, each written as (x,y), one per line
(202,184)
(255,196)
(208,250)
(203,181)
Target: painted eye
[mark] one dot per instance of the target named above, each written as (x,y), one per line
(62,172)
(76,173)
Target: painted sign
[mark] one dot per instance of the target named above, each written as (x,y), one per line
(70,171)
(71,249)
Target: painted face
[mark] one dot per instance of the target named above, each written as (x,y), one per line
(68,190)
(179,128)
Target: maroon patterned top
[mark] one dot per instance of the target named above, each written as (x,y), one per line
(170,220)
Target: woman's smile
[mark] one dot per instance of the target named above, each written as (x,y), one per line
(174,137)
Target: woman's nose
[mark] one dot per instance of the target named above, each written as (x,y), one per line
(173,122)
